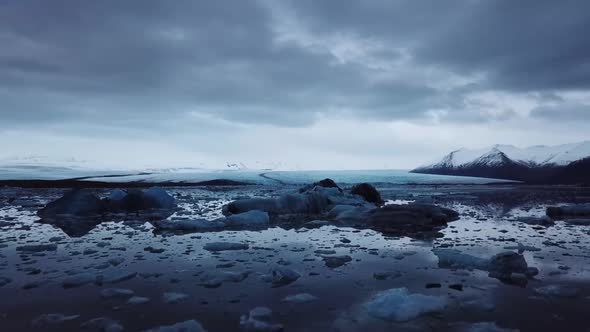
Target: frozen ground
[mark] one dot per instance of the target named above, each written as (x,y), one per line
(126,275)
(68,172)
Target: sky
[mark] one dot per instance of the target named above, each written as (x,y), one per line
(300,84)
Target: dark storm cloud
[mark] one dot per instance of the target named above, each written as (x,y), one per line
(524,45)
(116,61)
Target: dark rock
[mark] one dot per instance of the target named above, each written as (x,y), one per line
(410,218)
(368,192)
(458,287)
(78,202)
(557,212)
(326,183)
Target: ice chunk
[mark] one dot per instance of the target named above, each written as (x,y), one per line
(258,320)
(117,195)
(336,261)
(300,298)
(78,202)
(316,223)
(455,259)
(186,326)
(160,198)
(109,293)
(102,324)
(191,225)
(249,218)
(223,246)
(214,280)
(282,276)
(52,319)
(545,220)
(116,261)
(349,213)
(397,304)
(138,300)
(306,203)
(173,297)
(78,280)
(482,327)
(558,291)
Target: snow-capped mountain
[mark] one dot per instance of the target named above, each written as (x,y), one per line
(539,164)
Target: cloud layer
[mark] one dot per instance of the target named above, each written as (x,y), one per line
(213,73)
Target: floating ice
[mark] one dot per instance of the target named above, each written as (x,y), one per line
(109,293)
(190,225)
(300,298)
(455,259)
(258,320)
(216,279)
(102,324)
(397,304)
(186,326)
(52,319)
(482,327)
(138,300)
(558,291)
(282,276)
(223,246)
(78,280)
(249,218)
(173,297)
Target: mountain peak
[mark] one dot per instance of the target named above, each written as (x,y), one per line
(509,161)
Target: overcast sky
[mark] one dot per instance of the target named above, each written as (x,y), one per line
(312,84)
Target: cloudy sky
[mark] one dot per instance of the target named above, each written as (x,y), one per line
(311,84)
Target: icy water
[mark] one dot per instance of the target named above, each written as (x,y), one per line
(172,278)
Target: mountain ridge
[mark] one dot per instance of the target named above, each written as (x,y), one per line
(566,163)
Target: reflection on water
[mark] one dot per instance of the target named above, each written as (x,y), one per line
(166,278)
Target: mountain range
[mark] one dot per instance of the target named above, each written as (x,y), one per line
(560,164)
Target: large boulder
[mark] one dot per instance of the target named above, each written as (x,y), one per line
(76,203)
(367,192)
